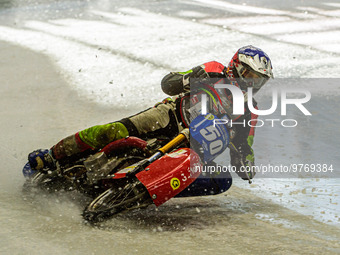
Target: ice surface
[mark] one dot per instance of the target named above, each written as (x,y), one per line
(114,54)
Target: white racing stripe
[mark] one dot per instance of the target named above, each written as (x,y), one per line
(121,53)
(237,21)
(243,8)
(291,27)
(108,56)
(328,40)
(308,26)
(336,5)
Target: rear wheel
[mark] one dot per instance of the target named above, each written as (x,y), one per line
(113,201)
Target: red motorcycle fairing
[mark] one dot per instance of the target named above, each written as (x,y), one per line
(169,175)
(120,144)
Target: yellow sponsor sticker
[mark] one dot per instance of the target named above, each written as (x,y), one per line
(177,153)
(209,116)
(175,183)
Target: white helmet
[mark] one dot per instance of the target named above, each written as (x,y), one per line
(252,66)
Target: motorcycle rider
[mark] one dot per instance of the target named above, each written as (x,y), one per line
(249,67)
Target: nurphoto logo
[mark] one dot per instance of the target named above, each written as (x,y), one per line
(239,101)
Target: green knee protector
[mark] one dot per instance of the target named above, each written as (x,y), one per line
(101,135)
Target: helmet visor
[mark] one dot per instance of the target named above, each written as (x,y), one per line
(253,79)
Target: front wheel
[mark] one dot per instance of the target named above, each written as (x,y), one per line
(113,201)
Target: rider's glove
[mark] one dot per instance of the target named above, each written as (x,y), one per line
(41,160)
(165,101)
(198,72)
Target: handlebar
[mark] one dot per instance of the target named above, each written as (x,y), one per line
(184,135)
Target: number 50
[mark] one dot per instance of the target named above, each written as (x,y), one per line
(211,134)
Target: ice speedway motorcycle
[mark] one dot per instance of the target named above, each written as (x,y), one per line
(133,173)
